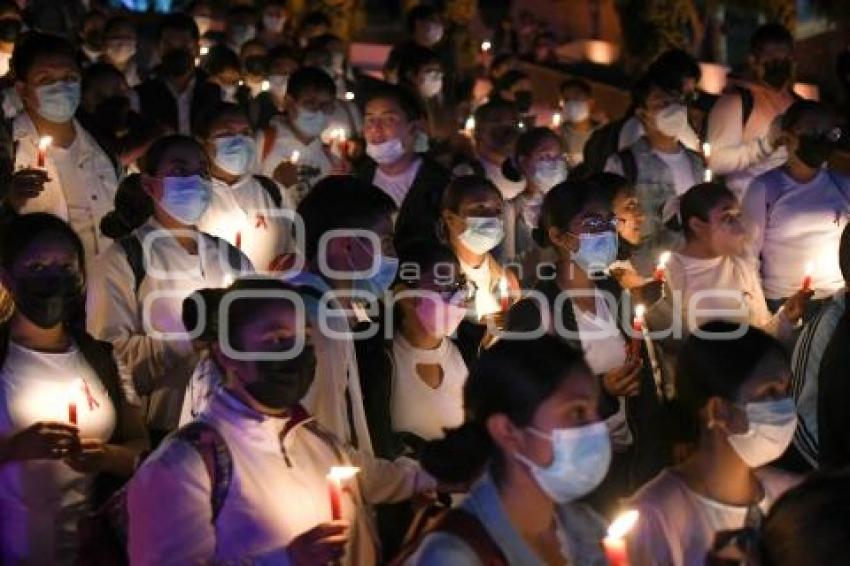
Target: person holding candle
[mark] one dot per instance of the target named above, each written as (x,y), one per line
(277,504)
(712,267)
(578,303)
(472,225)
(70,422)
(540,161)
(412,179)
(735,396)
(81,176)
(658,165)
(798,211)
(282,62)
(535,444)
(311,98)
(159,253)
(246,210)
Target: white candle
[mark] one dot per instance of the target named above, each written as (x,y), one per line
(707,176)
(265,86)
(556,120)
(706,150)
(486,46)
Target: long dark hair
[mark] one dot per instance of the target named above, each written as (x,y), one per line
(512,378)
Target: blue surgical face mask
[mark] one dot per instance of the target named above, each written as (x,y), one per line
(482,234)
(581,459)
(548,173)
(311,123)
(378,283)
(596,251)
(235,154)
(185,198)
(57,102)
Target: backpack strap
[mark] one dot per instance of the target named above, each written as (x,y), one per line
(271,188)
(135,257)
(629,165)
(747,102)
(216,456)
(269,137)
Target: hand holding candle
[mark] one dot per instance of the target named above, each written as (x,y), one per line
(615,541)
(337,477)
(807,276)
(504,294)
(44,142)
(661,266)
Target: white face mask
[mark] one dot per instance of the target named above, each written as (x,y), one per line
(228,93)
(434,34)
(576,111)
(431,85)
(5,58)
(482,233)
(771,429)
(581,459)
(672,120)
(386,152)
(596,251)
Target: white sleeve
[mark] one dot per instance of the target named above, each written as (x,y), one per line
(170,510)
(614,165)
(385,481)
(438,549)
(754,208)
(729,151)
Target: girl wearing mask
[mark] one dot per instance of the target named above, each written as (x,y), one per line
(159,257)
(471,215)
(735,393)
(576,220)
(540,160)
(422,72)
(712,259)
(245,210)
(532,429)
(273,506)
(69,419)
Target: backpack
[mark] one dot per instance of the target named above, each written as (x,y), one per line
(602,144)
(456,522)
(132,247)
(271,188)
(103,533)
(748,101)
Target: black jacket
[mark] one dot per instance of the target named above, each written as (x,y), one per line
(157,103)
(420,211)
(833,396)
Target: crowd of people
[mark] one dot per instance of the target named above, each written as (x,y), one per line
(261,306)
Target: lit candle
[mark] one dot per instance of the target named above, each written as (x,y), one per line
(336,477)
(43,143)
(807,276)
(556,120)
(204,50)
(706,150)
(349,96)
(469,126)
(296,155)
(615,541)
(521,125)
(660,266)
(637,326)
(504,294)
(707,176)
(486,46)
(265,86)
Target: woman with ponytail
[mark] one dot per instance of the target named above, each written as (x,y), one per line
(533,432)
(70,425)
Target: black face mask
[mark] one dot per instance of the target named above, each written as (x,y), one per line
(177,62)
(813,151)
(523,100)
(9,30)
(49,299)
(282,384)
(255,65)
(777,73)
(502,137)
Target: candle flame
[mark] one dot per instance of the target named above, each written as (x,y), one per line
(809,269)
(706,150)
(708,176)
(44,142)
(486,46)
(349,96)
(265,86)
(623,524)
(342,473)
(204,50)
(663,259)
(556,120)
(640,311)
(296,155)
(470,124)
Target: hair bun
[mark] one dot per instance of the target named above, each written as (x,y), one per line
(511,171)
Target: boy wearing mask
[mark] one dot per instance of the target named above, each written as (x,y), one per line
(178,91)
(658,165)
(580,118)
(742,127)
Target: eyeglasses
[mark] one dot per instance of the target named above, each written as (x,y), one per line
(596,224)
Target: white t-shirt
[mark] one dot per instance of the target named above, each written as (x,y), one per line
(42,500)
(418,408)
(680,169)
(312,155)
(509,189)
(397,186)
